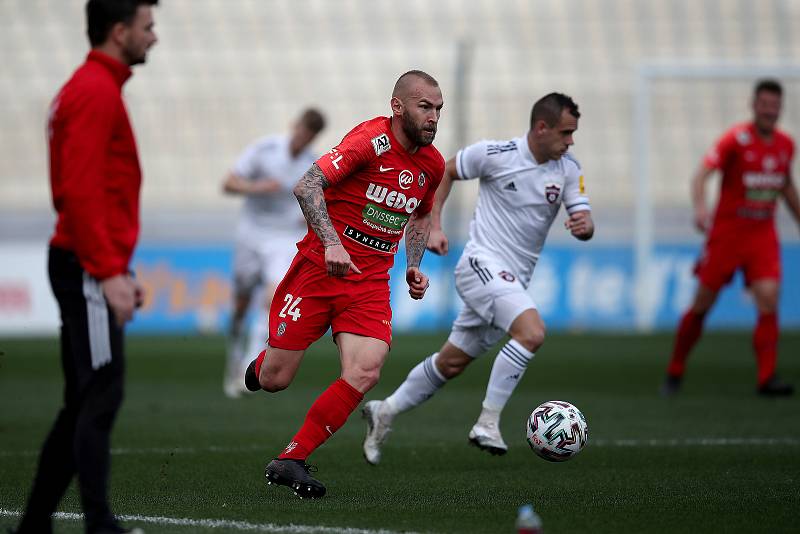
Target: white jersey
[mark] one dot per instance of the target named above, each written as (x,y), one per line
(518,199)
(269,158)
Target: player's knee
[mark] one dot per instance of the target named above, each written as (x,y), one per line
(273,383)
(362,378)
(366,379)
(532,339)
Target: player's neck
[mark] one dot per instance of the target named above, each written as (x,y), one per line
(111,50)
(536,152)
(764,134)
(400,135)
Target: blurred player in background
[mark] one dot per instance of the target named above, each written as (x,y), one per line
(755,160)
(95,179)
(523,183)
(269,226)
(358,199)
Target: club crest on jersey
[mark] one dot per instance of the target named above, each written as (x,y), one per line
(406,179)
(281,328)
(507,276)
(743,137)
(421,179)
(381,144)
(551,192)
(769,163)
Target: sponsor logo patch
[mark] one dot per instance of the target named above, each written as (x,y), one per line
(510,186)
(392,199)
(551,192)
(406,179)
(335,157)
(507,276)
(381,144)
(281,328)
(389,219)
(370,241)
(421,179)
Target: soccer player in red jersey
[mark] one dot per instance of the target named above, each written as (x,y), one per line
(755,160)
(358,200)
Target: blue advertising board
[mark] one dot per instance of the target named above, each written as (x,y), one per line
(588,287)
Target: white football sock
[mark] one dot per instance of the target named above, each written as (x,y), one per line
(257,337)
(507,371)
(422,382)
(235,345)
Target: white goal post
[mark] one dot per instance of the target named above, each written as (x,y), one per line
(644,239)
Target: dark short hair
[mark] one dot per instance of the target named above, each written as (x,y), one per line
(550,107)
(313,120)
(101,15)
(768,85)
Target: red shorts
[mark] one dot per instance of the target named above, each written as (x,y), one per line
(308,301)
(758,256)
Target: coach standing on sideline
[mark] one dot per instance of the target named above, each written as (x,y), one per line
(95,179)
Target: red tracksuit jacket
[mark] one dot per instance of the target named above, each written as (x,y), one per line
(94,168)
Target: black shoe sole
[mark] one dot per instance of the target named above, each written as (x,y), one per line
(302,490)
(251,379)
(494,451)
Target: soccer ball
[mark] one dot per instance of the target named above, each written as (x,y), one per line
(557,431)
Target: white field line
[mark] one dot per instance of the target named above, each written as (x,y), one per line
(675,442)
(692,442)
(218,523)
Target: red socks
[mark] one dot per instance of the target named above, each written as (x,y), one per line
(328,413)
(765,343)
(689,330)
(259,361)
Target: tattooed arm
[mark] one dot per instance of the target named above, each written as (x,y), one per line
(417,232)
(310,194)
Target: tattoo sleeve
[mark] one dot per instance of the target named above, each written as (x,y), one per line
(309,193)
(417,232)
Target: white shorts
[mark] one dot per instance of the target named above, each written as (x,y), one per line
(262,261)
(493,298)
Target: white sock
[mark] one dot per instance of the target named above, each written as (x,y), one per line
(507,371)
(257,337)
(235,346)
(422,382)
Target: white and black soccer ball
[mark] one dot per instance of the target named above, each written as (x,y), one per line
(557,431)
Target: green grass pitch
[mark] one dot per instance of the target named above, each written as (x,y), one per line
(715,459)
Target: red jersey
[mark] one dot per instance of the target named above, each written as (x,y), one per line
(94,168)
(754,171)
(375,186)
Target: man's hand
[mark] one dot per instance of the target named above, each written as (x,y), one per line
(120,293)
(437,242)
(701,219)
(417,283)
(138,292)
(580,224)
(338,262)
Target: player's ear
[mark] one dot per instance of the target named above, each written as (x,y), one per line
(540,126)
(397,105)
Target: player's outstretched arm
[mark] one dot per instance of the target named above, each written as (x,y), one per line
(698,186)
(791,198)
(417,233)
(437,241)
(311,197)
(237,185)
(581,225)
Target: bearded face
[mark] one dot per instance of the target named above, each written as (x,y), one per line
(420,130)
